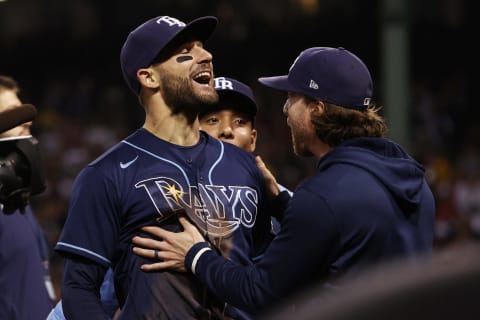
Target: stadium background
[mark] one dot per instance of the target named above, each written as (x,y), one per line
(65,55)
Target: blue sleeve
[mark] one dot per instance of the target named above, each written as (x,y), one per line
(107,294)
(82,279)
(304,247)
(279,204)
(108,299)
(93,221)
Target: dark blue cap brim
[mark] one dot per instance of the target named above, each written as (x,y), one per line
(199,29)
(280,83)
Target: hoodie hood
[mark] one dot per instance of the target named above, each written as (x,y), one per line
(388,162)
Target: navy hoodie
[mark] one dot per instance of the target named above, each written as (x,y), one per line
(367,203)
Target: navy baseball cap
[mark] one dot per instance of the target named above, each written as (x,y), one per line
(148,40)
(333,75)
(231,89)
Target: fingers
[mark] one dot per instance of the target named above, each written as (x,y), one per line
(270,180)
(163,265)
(191,229)
(185,223)
(163,259)
(263,168)
(146,242)
(260,162)
(146,253)
(157,254)
(156,231)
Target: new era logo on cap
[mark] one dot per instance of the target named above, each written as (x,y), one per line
(333,75)
(313,85)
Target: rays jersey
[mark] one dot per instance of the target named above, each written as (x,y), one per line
(146,181)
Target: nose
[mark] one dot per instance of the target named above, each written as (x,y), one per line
(286,106)
(27,125)
(226,131)
(205,56)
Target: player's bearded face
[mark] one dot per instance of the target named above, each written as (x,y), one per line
(179,93)
(300,126)
(300,137)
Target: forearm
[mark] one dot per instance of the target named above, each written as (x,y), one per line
(279,204)
(243,287)
(298,255)
(81,290)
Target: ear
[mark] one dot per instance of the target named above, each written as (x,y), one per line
(317,106)
(253,140)
(147,78)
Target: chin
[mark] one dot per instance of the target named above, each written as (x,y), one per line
(209,98)
(301,151)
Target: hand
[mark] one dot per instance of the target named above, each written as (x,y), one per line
(171,251)
(270,181)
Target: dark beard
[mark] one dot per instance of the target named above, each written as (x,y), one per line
(180,97)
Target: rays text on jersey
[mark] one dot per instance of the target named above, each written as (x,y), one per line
(218,210)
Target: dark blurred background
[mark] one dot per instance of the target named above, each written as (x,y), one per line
(65,55)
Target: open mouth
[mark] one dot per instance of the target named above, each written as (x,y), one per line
(203,78)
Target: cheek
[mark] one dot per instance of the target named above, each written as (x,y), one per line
(211,130)
(242,137)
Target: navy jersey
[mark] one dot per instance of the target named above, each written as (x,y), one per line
(368,203)
(147,181)
(23,276)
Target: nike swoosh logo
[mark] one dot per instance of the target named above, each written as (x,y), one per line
(127,164)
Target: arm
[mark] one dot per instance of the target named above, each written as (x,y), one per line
(273,188)
(302,251)
(80,290)
(88,240)
(278,194)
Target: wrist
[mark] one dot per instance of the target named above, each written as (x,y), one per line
(194,254)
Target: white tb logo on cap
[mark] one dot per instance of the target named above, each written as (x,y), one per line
(171,21)
(222,83)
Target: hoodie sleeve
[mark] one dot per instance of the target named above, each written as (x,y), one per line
(302,248)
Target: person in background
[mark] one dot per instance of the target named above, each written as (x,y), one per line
(27,291)
(233,120)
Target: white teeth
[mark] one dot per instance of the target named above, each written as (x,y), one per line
(202,74)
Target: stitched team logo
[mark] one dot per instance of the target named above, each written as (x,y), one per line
(171,21)
(216,210)
(222,83)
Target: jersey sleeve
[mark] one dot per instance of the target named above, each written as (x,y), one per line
(302,248)
(279,204)
(92,226)
(81,283)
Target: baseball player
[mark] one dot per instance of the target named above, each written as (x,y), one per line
(367,204)
(27,291)
(166,168)
(232,120)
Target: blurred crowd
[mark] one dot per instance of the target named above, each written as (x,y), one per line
(68,68)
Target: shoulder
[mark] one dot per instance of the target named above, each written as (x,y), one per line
(226,151)
(118,154)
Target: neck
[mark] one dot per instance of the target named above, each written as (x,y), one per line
(178,129)
(320,149)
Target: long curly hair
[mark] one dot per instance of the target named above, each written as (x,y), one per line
(337,124)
